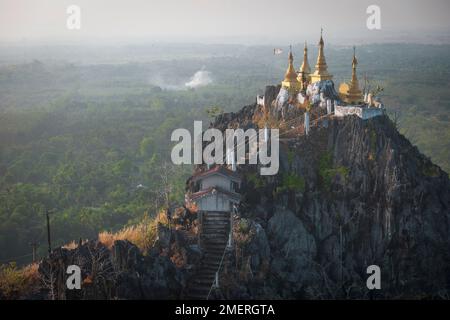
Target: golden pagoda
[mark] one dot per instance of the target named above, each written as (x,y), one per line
(321,72)
(290,81)
(350,92)
(304,74)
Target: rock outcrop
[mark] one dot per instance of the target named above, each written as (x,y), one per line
(119,272)
(353,193)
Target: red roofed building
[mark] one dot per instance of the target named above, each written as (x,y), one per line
(215,190)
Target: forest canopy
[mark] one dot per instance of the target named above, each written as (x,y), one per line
(91,141)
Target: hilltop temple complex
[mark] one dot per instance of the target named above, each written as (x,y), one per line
(305,90)
(305,98)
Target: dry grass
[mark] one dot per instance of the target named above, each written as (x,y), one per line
(143,235)
(15,282)
(71,245)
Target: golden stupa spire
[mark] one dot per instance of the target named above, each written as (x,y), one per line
(290,72)
(290,81)
(321,70)
(305,68)
(351,93)
(354,64)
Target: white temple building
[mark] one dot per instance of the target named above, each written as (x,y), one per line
(306,89)
(215,190)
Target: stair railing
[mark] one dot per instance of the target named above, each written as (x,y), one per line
(216,277)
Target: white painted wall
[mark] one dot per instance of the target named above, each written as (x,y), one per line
(260,101)
(214,202)
(362,112)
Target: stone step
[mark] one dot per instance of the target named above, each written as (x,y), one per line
(207,268)
(215,220)
(211,237)
(207,281)
(196,297)
(222,223)
(216,214)
(209,273)
(214,239)
(212,253)
(213,247)
(215,242)
(201,288)
(206,274)
(211,264)
(214,235)
(212,256)
(200,291)
(214,229)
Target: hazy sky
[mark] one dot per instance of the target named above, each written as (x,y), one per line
(32,20)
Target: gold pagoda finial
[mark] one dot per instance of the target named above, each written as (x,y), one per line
(354,62)
(290,78)
(290,72)
(321,38)
(305,69)
(351,93)
(321,72)
(354,83)
(305,64)
(291,57)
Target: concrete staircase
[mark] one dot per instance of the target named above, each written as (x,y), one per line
(214,233)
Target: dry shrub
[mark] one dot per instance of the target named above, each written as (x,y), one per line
(192,207)
(71,245)
(179,257)
(143,235)
(15,282)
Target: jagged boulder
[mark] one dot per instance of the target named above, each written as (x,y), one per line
(119,272)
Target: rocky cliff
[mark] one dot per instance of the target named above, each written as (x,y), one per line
(351,194)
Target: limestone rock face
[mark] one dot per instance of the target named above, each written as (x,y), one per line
(270,94)
(353,193)
(120,272)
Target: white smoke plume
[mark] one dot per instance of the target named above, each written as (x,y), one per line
(200,79)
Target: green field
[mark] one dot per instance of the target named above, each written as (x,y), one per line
(87,132)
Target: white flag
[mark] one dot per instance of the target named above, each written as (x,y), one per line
(277,51)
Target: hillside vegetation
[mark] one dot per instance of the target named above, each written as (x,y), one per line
(90,140)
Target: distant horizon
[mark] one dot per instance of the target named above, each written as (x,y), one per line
(229,22)
(436,37)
